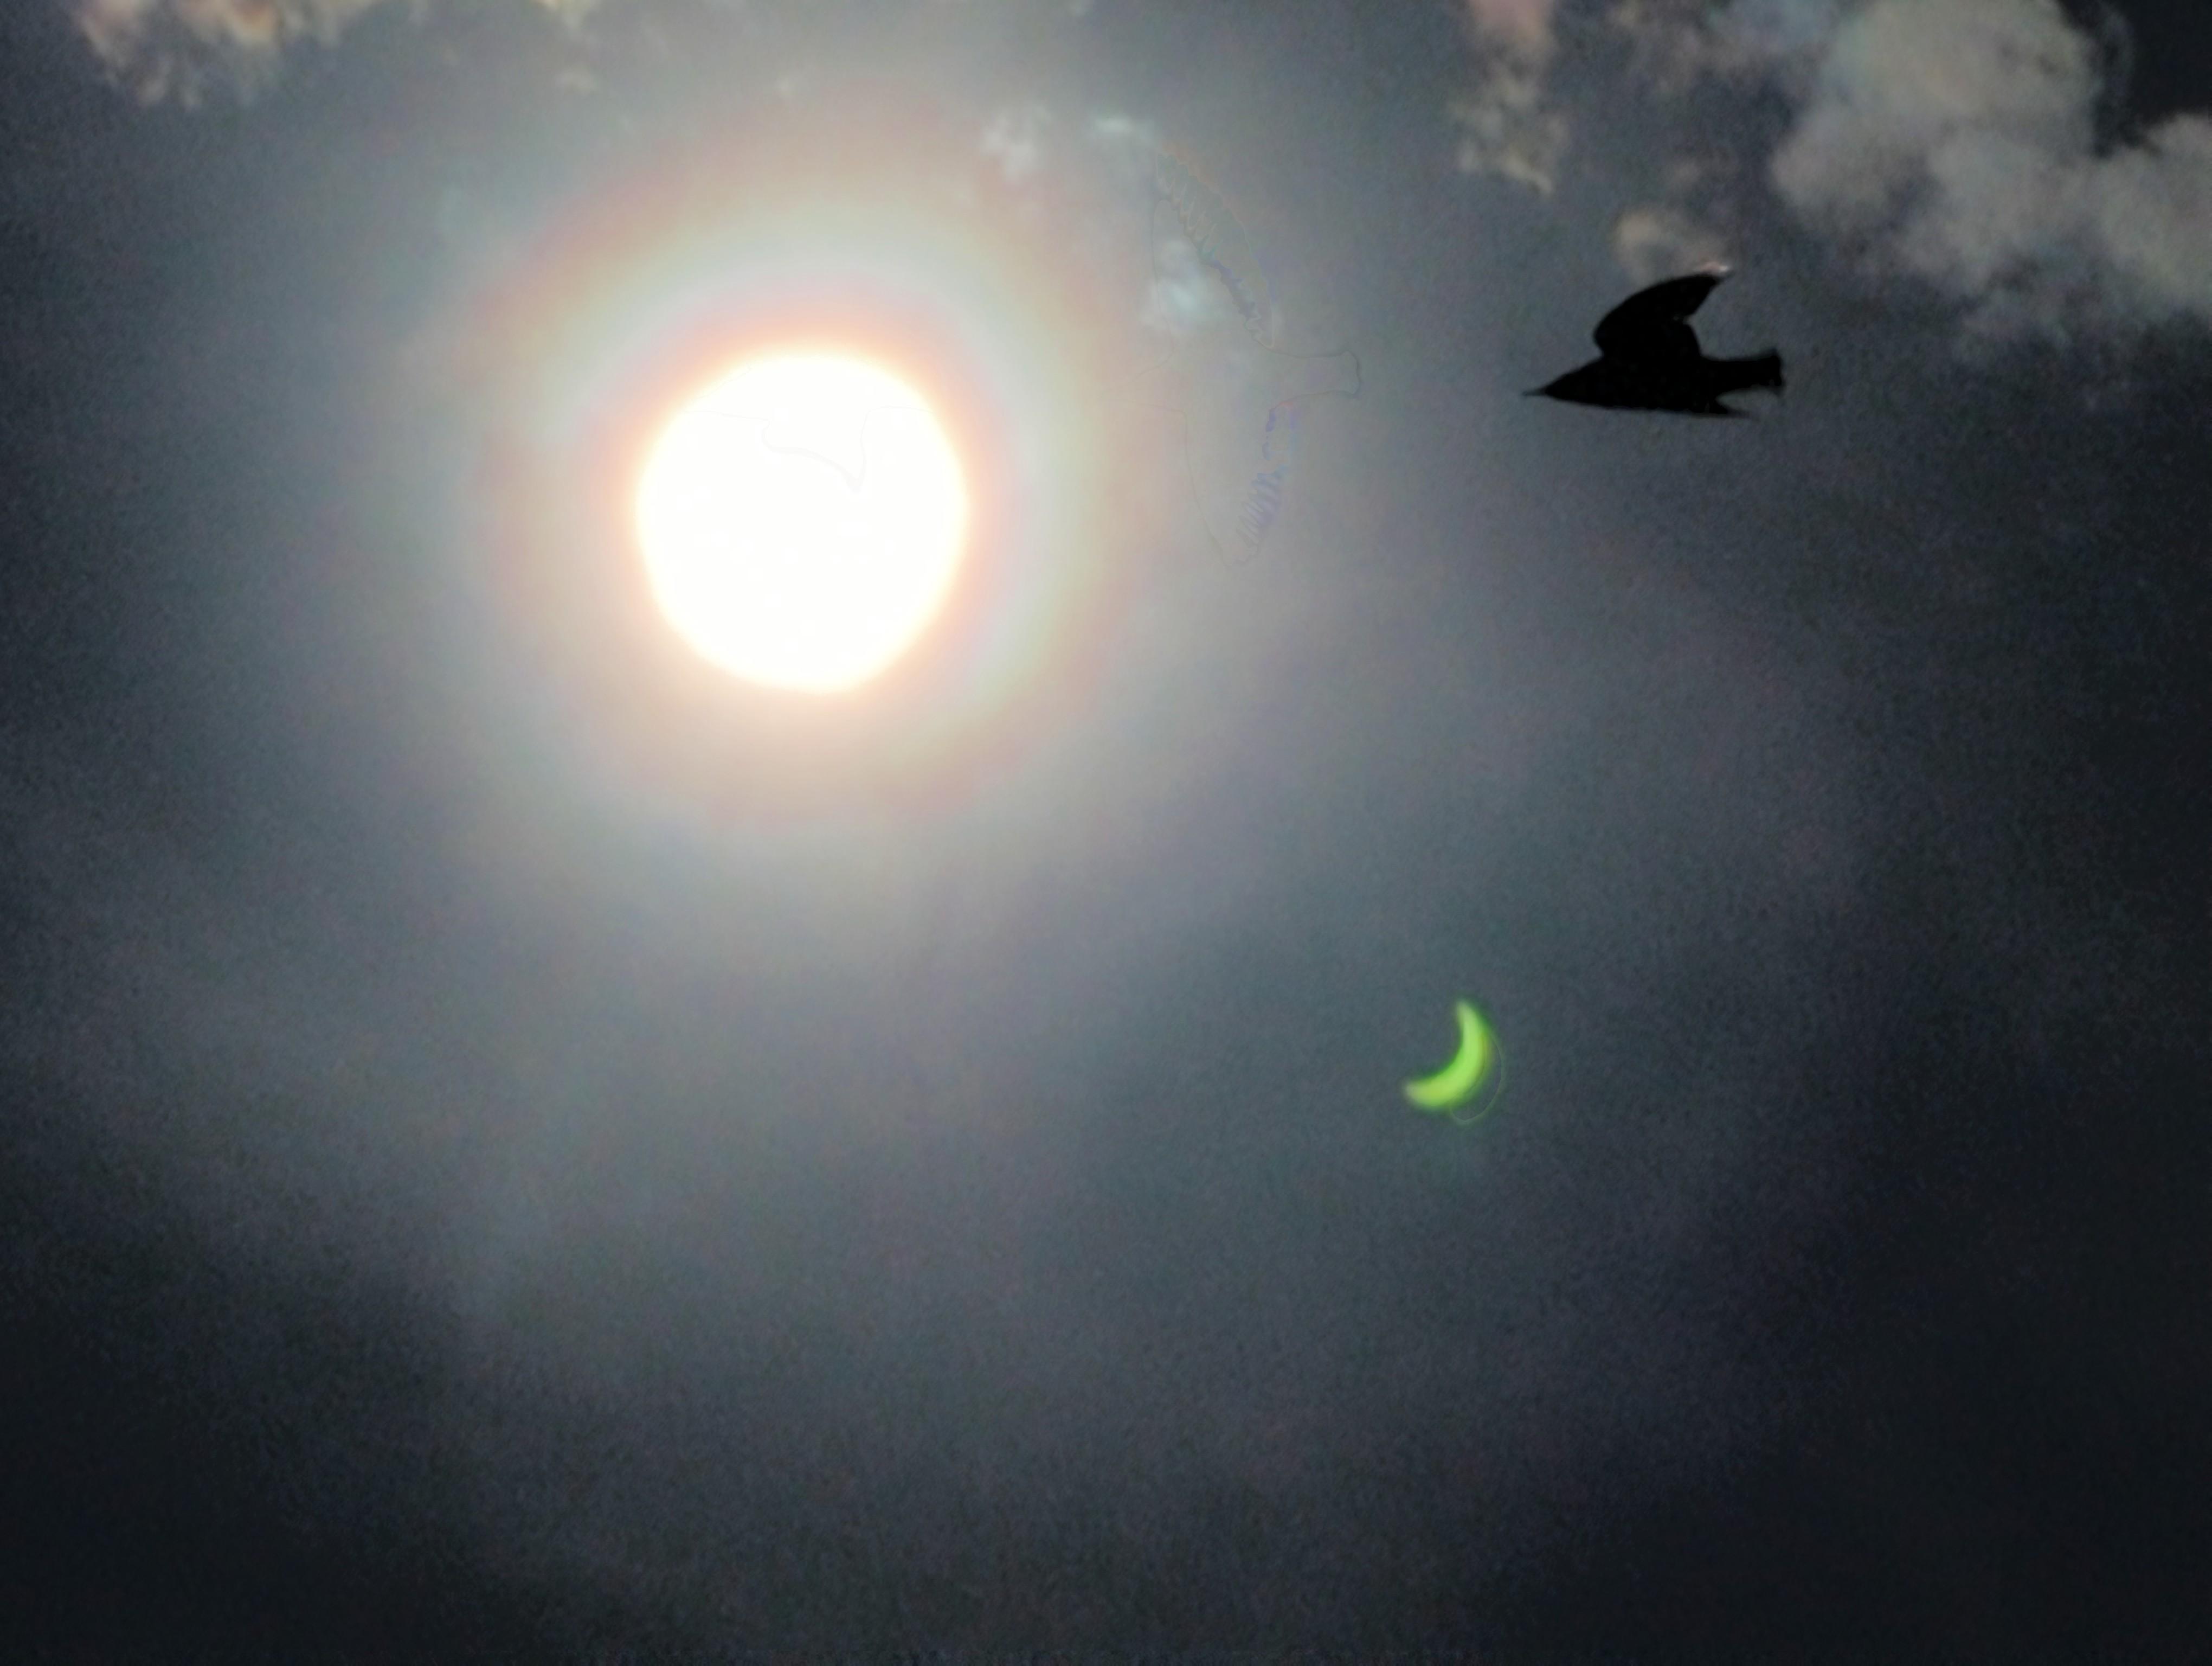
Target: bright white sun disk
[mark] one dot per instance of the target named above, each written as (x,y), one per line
(801,521)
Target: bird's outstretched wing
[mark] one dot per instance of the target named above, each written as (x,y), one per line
(1651,326)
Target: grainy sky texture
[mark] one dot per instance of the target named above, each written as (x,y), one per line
(514,1149)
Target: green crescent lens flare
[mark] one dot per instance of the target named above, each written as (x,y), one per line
(1467,1089)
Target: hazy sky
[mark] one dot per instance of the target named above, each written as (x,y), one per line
(515,1149)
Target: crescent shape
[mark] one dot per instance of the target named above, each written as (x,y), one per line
(1458,1082)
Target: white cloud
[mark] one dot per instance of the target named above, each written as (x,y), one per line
(2153,210)
(1956,142)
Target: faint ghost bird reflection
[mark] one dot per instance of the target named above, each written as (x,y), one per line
(1223,247)
(1652,361)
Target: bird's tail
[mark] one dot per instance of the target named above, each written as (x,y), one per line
(1761,370)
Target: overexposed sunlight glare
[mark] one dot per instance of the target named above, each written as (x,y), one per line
(801,521)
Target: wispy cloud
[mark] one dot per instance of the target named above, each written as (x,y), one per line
(1658,241)
(179,49)
(1014,139)
(1523,26)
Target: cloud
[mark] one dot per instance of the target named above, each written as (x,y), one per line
(1657,241)
(1962,143)
(1506,129)
(1522,25)
(1506,126)
(1956,141)
(1014,139)
(178,49)
(1676,43)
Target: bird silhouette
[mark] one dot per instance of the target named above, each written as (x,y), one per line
(1651,359)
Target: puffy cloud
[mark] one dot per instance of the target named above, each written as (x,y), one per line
(1964,143)
(1956,140)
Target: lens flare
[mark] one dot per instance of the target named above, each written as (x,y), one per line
(1467,1089)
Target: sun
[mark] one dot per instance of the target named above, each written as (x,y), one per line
(801,518)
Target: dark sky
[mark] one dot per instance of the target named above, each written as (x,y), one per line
(513,1149)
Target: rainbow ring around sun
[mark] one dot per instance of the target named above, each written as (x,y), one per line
(801,518)
(791,486)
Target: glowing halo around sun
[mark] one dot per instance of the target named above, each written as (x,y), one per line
(865,226)
(801,521)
